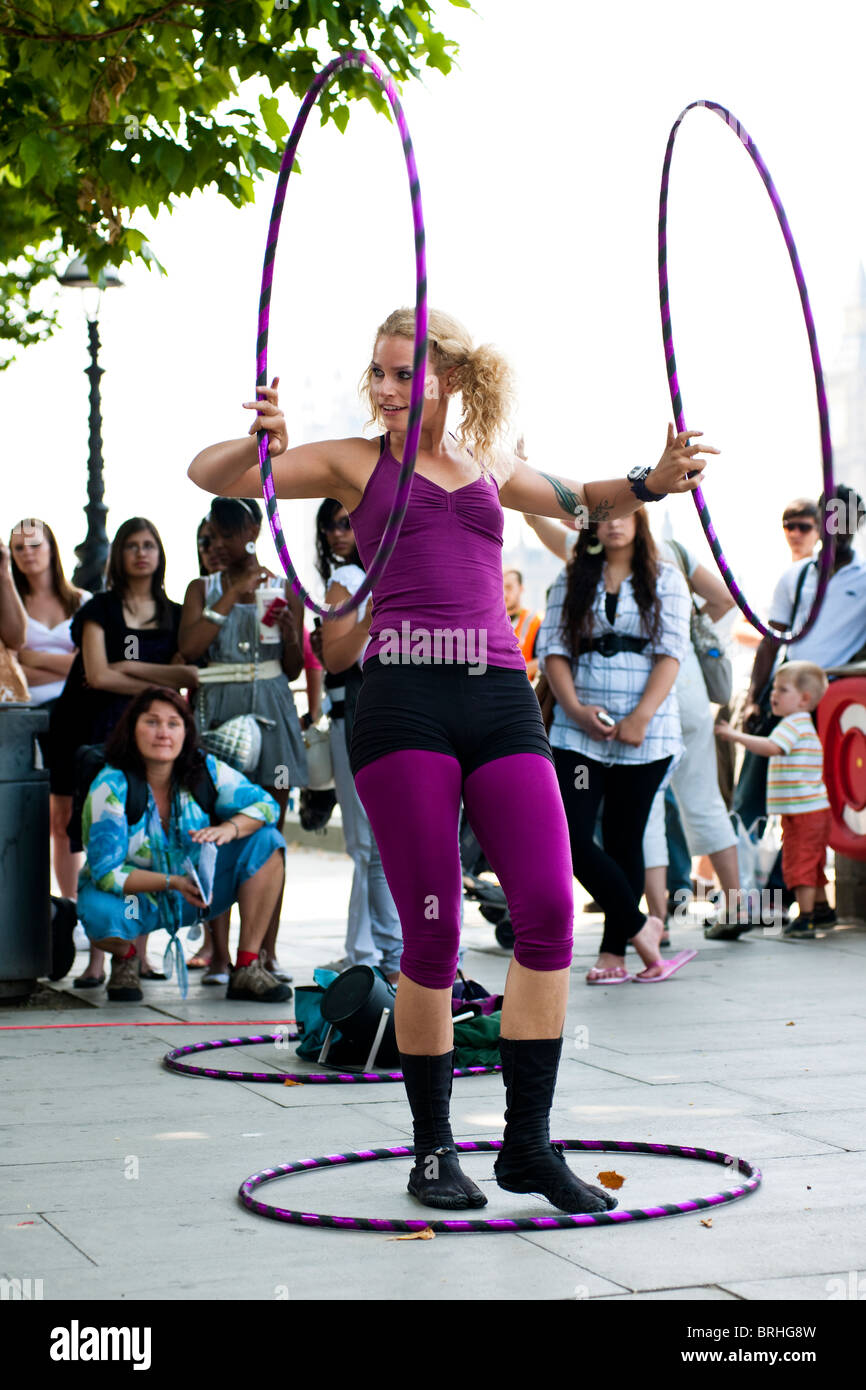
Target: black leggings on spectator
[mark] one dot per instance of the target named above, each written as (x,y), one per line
(613,875)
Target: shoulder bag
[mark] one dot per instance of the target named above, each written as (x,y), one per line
(715,666)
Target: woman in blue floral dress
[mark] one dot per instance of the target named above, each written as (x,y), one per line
(136,878)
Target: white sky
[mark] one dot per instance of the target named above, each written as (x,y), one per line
(540,160)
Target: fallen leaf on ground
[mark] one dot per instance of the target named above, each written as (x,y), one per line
(611,1180)
(426,1234)
(708,1222)
(790,1025)
(289,1082)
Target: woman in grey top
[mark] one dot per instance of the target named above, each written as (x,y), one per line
(220,621)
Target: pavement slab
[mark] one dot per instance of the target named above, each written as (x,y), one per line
(118,1179)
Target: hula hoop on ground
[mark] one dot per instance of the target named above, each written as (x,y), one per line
(751,1174)
(828,547)
(353,59)
(280,1078)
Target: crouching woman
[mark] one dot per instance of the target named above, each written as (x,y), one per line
(149,811)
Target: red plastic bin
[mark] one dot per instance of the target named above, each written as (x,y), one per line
(842,730)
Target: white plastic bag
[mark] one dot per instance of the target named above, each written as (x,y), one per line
(747,857)
(766,848)
(320,765)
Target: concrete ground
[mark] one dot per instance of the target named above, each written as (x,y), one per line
(118,1179)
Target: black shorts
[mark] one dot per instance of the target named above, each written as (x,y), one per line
(444,709)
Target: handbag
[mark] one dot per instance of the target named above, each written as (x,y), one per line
(546,700)
(320,766)
(237,741)
(715,667)
(315,808)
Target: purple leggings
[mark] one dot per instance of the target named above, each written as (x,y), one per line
(412,798)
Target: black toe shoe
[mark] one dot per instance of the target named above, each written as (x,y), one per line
(546,1174)
(437,1180)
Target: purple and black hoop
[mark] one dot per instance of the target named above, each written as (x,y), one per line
(751,1174)
(355,58)
(828,547)
(280,1078)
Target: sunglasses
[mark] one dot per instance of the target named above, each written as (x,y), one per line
(344,524)
(803,526)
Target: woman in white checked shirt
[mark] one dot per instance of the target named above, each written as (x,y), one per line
(615,631)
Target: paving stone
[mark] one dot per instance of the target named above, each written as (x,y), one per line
(847,1284)
(703,1294)
(706,1059)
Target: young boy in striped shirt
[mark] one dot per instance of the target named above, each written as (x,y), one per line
(795,789)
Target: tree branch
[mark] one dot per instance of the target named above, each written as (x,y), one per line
(60,35)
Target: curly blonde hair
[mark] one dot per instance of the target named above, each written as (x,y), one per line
(485,383)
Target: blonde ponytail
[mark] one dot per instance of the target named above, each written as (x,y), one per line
(483,379)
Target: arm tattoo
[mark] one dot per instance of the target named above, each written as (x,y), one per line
(567,500)
(601,511)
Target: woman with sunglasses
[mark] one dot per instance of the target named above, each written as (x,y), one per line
(373,935)
(427,730)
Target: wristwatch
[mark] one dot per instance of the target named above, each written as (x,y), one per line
(637,477)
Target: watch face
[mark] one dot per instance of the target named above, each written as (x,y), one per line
(639,471)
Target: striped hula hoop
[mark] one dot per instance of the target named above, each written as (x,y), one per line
(352,59)
(750,1174)
(280,1078)
(828,547)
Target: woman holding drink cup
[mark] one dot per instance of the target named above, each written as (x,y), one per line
(248,624)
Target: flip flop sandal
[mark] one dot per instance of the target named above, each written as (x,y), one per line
(670,967)
(607,977)
(150,974)
(198,963)
(88,981)
(219,977)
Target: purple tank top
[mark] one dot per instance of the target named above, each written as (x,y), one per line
(441,597)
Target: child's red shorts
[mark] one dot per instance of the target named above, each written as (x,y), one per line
(804,848)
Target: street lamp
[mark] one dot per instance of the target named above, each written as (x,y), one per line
(93,551)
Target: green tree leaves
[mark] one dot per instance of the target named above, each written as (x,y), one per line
(105,109)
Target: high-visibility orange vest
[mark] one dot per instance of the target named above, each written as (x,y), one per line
(526,630)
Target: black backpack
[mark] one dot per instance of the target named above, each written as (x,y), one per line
(89,762)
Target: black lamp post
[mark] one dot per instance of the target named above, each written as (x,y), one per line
(93,551)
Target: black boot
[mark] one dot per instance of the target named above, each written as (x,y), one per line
(527,1161)
(436,1179)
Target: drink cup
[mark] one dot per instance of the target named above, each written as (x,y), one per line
(268,599)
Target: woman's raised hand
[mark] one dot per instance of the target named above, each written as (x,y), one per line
(269,417)
(679,469)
